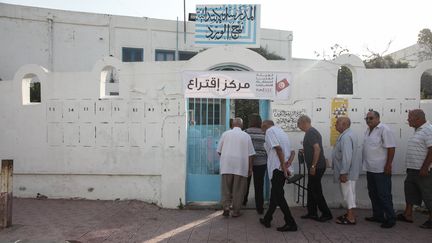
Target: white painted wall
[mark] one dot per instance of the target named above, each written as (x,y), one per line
(77,144)
(66,41)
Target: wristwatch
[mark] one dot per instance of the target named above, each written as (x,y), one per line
(313,166)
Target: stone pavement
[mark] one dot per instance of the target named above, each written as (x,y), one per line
(134,221)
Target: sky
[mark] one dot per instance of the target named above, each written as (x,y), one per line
(317,25)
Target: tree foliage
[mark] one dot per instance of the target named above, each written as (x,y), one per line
(35,92)
(263,51)
(344,81)
(380,60)
(425,42)
(426,85)
(335,51)
(244,108)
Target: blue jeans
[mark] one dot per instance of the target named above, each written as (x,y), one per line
(379,187)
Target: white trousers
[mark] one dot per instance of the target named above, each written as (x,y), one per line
(348,193)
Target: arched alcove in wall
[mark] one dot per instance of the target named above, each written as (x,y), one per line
(344,81)
(230,67)
(109,82)
(426,85)
(31,89)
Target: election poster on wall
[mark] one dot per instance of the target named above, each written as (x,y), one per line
(339,108)
(237,85)
(287,118)
(228,24)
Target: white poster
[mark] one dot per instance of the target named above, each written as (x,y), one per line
(228,24)
(237,85)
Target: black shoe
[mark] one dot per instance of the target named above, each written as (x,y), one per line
(324,218)
(287,227)
(309,216)
(265,223)
(226,213)
(388,225)
(427,224)
(374,219)
(260,211)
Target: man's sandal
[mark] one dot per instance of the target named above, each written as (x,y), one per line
(340,218)
(402,217)
(345,221)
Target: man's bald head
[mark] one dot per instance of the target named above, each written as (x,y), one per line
(237,122)
(345,121)
(416,118)
(266,125)
(342,123)
(418,113)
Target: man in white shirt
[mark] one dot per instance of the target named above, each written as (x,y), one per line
(418,182)
(279,159)
(236,150)
(379,147)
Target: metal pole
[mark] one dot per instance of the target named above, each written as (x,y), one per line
(184,20)
(177,41)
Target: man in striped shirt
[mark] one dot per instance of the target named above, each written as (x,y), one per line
(418,183)
(259,162)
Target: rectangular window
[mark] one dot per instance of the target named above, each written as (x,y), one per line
(130,54)
(169,55)
(165,55)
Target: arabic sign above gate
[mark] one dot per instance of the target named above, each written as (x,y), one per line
(228,24)
(237,85)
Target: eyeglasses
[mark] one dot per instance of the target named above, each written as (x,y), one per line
(370,118)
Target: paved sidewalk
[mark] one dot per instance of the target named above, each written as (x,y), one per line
(134,221)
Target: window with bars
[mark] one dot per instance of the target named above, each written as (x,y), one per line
(207,111)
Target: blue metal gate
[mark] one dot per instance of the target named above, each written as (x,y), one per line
(207,120)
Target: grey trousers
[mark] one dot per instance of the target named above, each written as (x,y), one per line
(233,189)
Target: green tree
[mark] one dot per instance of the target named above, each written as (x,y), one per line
(426,85)
(425,42)
(380,60)
(344,81)
(35,92)
(244,108)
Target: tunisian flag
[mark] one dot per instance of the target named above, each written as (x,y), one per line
(281,85)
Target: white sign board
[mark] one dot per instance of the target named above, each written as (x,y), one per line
(237,85)
(236,24)
(287,119)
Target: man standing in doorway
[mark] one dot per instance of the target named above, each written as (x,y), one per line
(315,161)
(279,159)
(418,182)
(346,167)
(259,164)
(236,151)
(379,147)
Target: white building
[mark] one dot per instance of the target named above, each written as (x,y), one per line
(65,41)
(80,140)
(409,54)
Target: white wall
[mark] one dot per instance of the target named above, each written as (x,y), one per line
(77,144)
